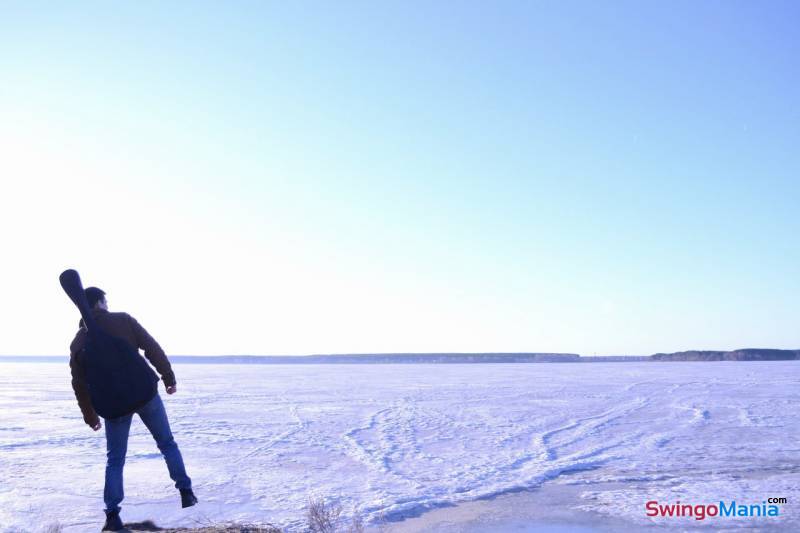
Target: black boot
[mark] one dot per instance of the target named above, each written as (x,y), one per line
(113,521)
(187,498)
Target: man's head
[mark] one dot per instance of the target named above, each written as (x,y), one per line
(96,298)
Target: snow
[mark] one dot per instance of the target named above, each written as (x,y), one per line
(392,441)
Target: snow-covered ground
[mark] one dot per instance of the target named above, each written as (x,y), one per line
(392,441)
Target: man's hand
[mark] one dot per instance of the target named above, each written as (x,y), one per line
(97,426)
(171,389)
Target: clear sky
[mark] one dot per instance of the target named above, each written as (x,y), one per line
(346,177)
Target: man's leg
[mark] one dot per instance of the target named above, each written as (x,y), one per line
(117,430)
(154,417)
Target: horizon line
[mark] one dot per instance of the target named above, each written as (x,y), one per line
(429,353)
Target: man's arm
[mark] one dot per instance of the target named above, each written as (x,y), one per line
(79,380)
(153,352)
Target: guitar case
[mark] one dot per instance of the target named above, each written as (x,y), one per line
(119,380)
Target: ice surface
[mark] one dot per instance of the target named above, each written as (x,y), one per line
(391,441)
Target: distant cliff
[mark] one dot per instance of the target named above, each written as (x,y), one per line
(745,354)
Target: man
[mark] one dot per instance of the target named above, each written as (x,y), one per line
(152,413)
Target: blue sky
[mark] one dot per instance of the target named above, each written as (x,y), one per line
(252,177)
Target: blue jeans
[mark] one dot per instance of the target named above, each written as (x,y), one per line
(155,418)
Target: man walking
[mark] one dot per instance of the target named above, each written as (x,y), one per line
(152,413)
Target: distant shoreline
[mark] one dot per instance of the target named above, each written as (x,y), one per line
(745,354)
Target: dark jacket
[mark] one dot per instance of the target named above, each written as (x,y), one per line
(126,327)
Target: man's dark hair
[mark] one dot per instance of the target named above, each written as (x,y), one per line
(94,295)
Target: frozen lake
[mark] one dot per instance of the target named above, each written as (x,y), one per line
(393,441)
